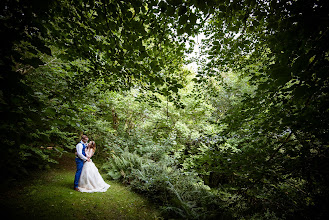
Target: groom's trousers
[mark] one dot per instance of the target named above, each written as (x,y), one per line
(79,163)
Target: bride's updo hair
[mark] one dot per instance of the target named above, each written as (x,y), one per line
(92,145)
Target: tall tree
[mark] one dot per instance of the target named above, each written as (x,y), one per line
(279,133)
(120,43)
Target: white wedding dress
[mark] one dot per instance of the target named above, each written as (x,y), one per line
(90,179)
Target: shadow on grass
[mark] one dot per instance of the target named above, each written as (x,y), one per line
(50,195)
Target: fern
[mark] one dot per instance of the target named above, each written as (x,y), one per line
(122,166)
(114,174)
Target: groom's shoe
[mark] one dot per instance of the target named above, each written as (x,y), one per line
(76,189)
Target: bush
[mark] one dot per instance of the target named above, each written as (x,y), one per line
(180,195)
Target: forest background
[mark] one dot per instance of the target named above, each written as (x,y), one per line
(244,137)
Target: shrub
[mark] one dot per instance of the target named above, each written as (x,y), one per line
(180,195)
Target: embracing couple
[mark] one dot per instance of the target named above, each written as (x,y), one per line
(87,178)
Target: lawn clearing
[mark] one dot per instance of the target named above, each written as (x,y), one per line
(50,195)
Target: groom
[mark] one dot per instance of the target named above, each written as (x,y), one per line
(80,159)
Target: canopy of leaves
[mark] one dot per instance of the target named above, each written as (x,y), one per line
(115,43)
(278,133)
(252,122)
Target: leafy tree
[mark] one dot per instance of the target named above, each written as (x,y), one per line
(274,144)
(114,43)
(253,122)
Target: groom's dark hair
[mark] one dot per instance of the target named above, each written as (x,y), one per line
(84,136)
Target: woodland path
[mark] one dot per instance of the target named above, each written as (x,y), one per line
(49,195)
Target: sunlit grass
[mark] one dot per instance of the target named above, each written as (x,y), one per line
(51,196)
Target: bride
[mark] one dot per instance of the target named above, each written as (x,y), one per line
(90,179)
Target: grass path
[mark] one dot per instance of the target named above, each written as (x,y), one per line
(50,195)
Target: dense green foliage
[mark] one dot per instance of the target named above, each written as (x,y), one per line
(245,137)
(279,133)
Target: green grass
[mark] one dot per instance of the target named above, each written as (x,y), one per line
(50,195)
